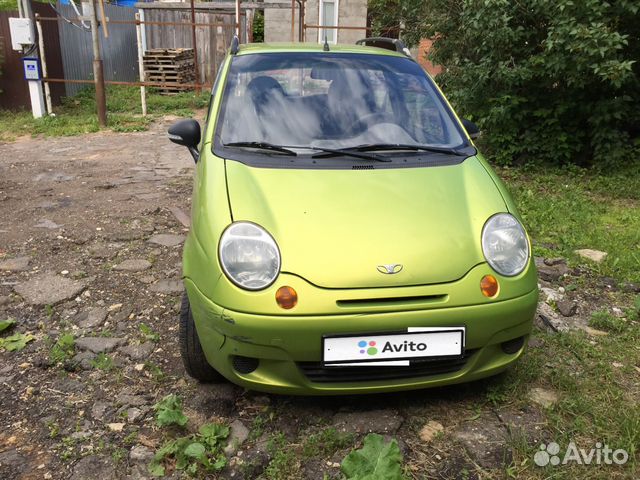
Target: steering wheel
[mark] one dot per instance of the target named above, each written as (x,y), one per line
(373,119)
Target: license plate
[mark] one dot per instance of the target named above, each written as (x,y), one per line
(393,349)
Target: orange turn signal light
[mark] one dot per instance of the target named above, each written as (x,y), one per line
(489,286)
(286,297)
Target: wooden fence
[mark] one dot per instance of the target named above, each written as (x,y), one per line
(214,32)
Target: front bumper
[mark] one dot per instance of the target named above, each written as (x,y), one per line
(285,344)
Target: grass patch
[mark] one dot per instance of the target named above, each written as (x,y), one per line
(260,423)
(284,463)
(607,322)
(148,334)
(597,389)
(77,115)
(598,399)
(63,349)
(571,208)
(326,442)
(102,362)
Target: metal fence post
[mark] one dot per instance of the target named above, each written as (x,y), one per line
(98,74)
(143,89)
(195,45)
(43,63)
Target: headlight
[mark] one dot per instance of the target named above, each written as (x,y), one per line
(249,256)
(505,245)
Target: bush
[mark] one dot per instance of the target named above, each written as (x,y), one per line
(258,27)
(552,81)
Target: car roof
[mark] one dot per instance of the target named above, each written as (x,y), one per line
(252,48)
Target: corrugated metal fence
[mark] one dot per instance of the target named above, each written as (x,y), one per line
(119,51)
(70,56)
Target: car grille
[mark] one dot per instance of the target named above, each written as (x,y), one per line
(318,373)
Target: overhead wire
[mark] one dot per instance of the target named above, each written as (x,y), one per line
(84,27)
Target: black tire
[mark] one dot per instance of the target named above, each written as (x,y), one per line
(195,363)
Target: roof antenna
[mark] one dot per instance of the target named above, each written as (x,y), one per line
(325,47)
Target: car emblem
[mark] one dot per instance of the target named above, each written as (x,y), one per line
(390,269)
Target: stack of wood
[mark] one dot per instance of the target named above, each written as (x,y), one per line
(170,65)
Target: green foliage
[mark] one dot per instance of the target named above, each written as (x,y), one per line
(154,371)
(193,452)
(553,81)
(102,362)
(63,349)
(148,333)
(213,434)
(326,442)
(606,321)
(260,423)
(258,27)
(7,324)
(169,411)
(15,342)
(375,460)
(284,462)
(8,6)
(565,209)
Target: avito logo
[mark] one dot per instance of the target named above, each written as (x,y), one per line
(369,347)
(405,346)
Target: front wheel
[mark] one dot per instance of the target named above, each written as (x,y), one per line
(195,363)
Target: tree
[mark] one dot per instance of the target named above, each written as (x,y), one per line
(547,80)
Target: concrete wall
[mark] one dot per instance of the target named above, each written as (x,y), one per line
(352,13)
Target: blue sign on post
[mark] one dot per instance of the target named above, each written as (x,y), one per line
(32,68)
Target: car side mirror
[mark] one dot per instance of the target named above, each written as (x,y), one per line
(471,128)
(187,134)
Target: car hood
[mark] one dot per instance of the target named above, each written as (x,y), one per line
(339,228)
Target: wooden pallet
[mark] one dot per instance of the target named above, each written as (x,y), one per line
(172,65)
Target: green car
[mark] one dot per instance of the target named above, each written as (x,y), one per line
(347,237)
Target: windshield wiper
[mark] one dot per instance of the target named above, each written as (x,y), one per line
(264,146)
(287,150)
(400,146)
(347,152)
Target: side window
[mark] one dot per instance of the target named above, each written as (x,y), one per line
(213,93)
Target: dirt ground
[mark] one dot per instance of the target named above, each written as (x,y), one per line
(72,210)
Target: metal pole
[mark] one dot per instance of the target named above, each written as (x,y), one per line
(35,86)
(144,30)
(300,18)
(238,20)
(293,20)
(195,46)
(98,74)
(43,63)
(105,28)
(143,89)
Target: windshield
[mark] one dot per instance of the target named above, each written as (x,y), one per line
(333,101)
